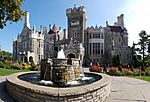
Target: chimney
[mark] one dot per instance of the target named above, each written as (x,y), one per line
(59,28)
(65,33)
(122,20)
(27,23)
(50,26)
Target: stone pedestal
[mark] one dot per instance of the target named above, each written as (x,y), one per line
(59,72)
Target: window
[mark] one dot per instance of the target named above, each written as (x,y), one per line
(40,44)
(96,48)
(39,57)
(90,36)
(119,40)
(90,47)
(102,36)
(24,45)
(96,35)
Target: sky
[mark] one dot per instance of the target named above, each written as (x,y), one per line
(45,12)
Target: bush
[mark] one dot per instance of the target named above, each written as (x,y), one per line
(147,71)
(17,66)
(120,68)
(136,72)
(114,71)
(2,65)
(34,67)
(127,72)
(95,68)
(8,64)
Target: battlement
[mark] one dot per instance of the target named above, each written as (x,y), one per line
(76,9)
(96,28)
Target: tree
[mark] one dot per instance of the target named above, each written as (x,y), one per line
(148,47)
(5,55)
(116,60)
(11,11)
(143,43)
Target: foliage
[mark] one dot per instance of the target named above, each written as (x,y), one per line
(95,68)
(137,61)
(148,47)
(34,67)
(147,71)
(116,61)
(10,10)
(147,61)
(114,71)
(2,65)
(8,64)
(136,72)
(143,43)
(120,68)
(127,72)
(5,55)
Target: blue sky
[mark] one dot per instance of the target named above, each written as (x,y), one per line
(45,12)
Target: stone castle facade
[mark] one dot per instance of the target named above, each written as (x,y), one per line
(89,44)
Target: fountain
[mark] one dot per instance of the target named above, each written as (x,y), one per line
(59,80)
(59,71)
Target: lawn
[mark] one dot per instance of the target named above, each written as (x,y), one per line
(4,71)
(145,78)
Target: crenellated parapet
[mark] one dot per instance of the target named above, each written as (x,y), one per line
(75,10)
(96,28)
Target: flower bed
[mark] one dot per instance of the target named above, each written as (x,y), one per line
(119,71)
(95,68)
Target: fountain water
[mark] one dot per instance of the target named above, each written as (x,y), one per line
(61,54)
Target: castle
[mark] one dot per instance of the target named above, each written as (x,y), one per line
(89,44)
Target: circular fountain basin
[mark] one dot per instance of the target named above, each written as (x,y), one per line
(23,91)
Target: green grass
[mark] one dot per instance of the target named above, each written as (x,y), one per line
(145,78)
(4,71)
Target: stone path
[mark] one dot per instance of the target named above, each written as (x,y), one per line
(123,89)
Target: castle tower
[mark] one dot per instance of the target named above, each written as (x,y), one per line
(120,20)
(27,23)
(76,24)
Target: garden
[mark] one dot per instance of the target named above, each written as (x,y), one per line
(123,71)
(8,67)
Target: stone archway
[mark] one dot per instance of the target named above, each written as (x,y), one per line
(71,55)
(30,58)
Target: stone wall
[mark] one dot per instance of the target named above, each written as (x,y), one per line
(22,91)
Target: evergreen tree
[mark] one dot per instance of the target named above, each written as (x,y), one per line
(148,47)
(143,43)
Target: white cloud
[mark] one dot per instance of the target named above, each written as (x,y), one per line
(138,14)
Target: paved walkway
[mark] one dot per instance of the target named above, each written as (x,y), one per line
(123,89)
